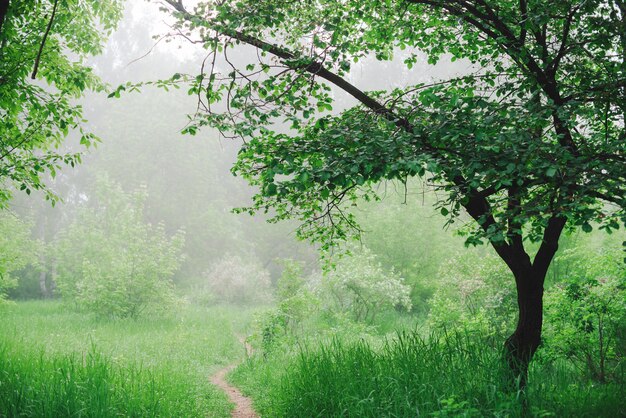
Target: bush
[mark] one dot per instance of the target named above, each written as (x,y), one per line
(361,287)
(295,299)
(114,264)
(586,323)
(236,280)
(295,304)
(17,250)
(475,294)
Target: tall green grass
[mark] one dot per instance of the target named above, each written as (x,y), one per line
(453,375)
(33,384)
(57,362)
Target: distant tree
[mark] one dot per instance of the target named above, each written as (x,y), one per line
(234,279)
(529,141)
(43,46)
(17,250)
(113,263)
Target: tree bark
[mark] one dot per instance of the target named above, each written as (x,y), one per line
(525,340)
(521,346)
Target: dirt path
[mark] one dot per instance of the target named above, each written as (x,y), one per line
(243,405)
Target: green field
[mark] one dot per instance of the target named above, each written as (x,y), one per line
(57,362)
(409,375)
(333,208)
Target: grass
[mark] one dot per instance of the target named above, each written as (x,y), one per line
(413,376)
(57,362)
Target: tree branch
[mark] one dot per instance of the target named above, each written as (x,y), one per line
(45,37)
(477,204)
(550,244)
(554,65)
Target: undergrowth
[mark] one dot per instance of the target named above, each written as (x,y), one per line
(409,376)
(33,384)
(55,362)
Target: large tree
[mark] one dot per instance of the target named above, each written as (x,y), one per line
(529,142)
(43,48)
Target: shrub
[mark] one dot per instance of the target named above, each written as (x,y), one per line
(587,324)
(113,263)
(17,250)
(474,294)
(236,280)
(295,304)
(296,301)
(361,287)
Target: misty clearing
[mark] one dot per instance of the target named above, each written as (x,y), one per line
(294,209)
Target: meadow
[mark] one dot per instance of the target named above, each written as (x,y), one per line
(409,375)
(55,361)
(436,190)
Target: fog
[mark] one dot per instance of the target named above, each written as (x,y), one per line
(241,237)
(187,179)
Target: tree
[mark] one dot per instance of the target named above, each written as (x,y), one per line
(17,250)
(43,46)
(113,263)
(234,279)
(529,142)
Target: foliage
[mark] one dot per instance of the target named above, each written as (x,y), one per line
(591,256)
(529,96)
(360,287)
(473,294)
(112,262)
(588,324)
(47,41)
(233,279)
(452,374)
(390,224)
(296,303)
(296,300)
(586,308)
(17,250)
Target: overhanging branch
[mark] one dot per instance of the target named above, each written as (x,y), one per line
(477,204)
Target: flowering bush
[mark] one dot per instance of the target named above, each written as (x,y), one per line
(359,285)
(234,279)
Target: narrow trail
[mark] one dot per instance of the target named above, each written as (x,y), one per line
(243,404)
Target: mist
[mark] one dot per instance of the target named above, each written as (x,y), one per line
(328,219)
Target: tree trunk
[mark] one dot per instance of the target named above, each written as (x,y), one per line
(4,8)
(42,284)
(529,276)
(523,343)
(42,258)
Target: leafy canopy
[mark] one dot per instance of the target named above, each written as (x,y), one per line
(43,47)
(529,140)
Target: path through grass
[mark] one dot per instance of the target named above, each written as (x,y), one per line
(439,376)
(57,362)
